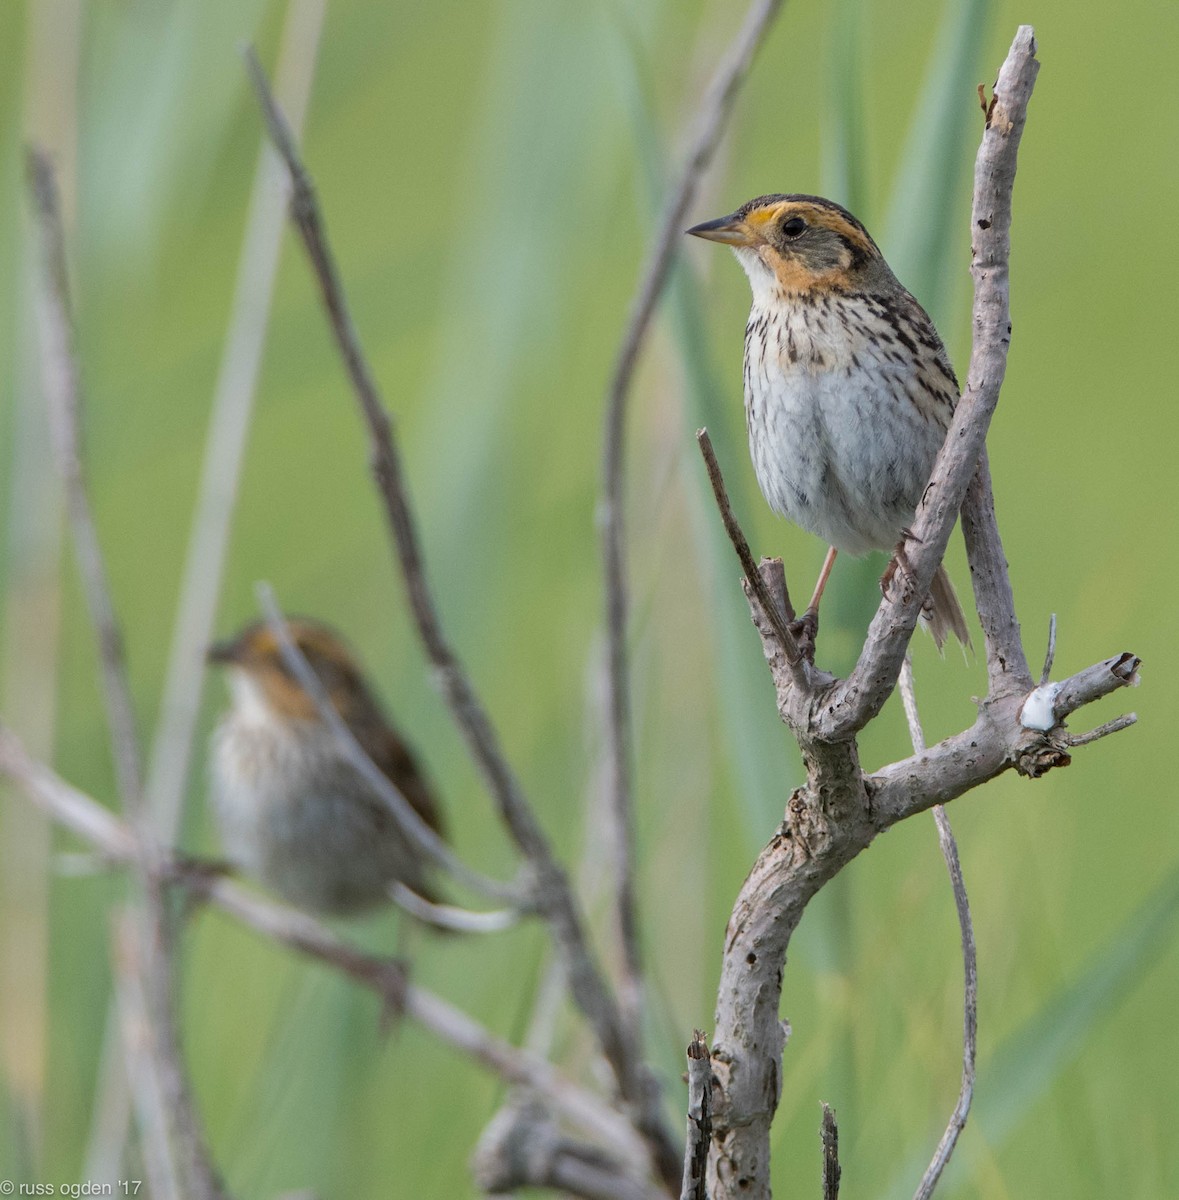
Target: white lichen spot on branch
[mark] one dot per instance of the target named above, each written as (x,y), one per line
(1038,711)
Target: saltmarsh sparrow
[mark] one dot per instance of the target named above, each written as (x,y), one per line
(848,389)
(292,811)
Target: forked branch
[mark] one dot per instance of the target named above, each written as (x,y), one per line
(839,810)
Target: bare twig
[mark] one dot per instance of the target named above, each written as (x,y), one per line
(1114,726)
(710,121)
(302,933)
(415,830)
(523,1146)
(949,847)
(829,1137)
(695,1185)
(554,896)
(82,815)
(775,614)
(1007,666)
(63,398)
(1096,681)
(993,744)
(1050,654)
(450,917)
(180,1125)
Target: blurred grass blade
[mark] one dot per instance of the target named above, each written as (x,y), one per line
(755,748)
(149,149)
(32,600)
(755,742)
(1033,1059)
(925,220)
(228,432)
(537,52)
(842,151)
(852,597)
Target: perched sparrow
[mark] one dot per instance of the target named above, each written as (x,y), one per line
(292,811)
(848,390)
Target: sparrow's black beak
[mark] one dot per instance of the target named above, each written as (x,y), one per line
(732,230)
(225,652)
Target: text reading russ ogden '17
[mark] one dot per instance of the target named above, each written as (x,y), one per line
(124,1187)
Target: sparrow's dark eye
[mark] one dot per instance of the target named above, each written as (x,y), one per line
(793,227)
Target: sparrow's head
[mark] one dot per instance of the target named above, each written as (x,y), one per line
(259,675)
(799,244)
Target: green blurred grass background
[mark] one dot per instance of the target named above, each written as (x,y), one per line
(490,173)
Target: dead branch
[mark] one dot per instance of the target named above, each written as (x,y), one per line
(63,398)
(840,809)
(522,1146)
(552,893)
(949,848)
(182,1153)
(829,1137)
(695,1185)
(777,615)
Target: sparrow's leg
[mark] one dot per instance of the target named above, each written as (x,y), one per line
(821,582)
(807,626)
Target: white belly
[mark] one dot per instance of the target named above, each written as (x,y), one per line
(293,815)
(838,446)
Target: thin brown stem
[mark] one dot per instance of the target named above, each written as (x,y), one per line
(710,121)
(949,848)
(775,613)
(554,896)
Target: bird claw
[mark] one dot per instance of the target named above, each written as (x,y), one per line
(201,870)
(898,562)
(806,632)
(197,874)
(394,985)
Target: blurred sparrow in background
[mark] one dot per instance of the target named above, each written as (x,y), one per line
(292,811)
(848,389)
